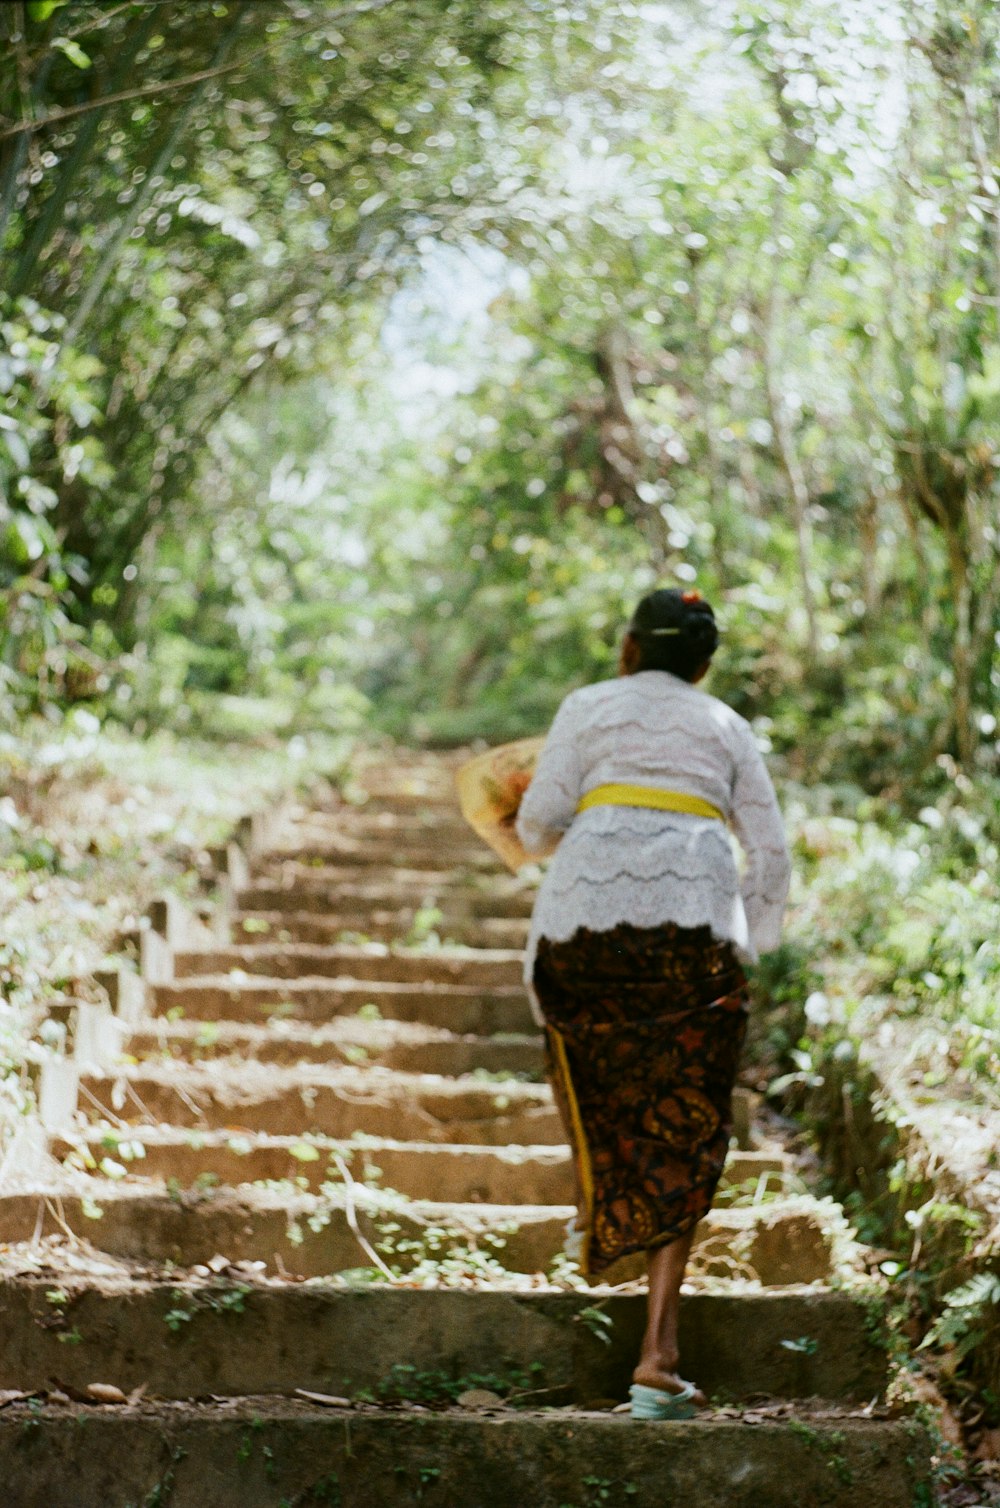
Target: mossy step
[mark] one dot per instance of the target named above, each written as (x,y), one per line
(331,1101)
(375,820)
(412,878)
(362,853)
(264,1452)
(192,1337)
(461,1174)
(459,1008)
(787,1241)
(384,795)
(484,967)
(386,926)
(309,893)
(409,1046)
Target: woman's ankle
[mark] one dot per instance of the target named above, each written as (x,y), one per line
(659,1363)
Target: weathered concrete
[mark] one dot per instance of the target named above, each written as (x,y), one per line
(385,926)
(486,968)
(458,1008)
(375,820)
(334,1040)
(452,1173)
(306,892)
(312,844)
(232,1337)
(337,877)
(409,1047)
(781,1243)
(332,1102)
(260,1454)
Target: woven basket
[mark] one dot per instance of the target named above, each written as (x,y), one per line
(487,794)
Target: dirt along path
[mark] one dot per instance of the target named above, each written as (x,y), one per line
(306,1235)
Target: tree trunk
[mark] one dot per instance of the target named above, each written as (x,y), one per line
(868,529)
(795,476)
(962,658)
(784,434)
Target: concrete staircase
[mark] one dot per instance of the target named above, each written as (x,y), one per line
(309,1225)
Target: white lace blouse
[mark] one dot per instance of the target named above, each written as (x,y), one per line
(634,864)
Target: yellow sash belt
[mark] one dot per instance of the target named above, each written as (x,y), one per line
(651,796)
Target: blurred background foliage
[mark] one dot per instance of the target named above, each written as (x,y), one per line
(362,362)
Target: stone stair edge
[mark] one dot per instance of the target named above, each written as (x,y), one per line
(261,1451)
(175,1334)
(273,1207)
(409,1033)
(169,921)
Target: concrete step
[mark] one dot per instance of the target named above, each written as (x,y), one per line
(421,1170)
(428,799)
(261,1453)
(375,820)
(310,848)
(331,1102)
(787,1241)
(457,1008)
(412,1047)
(412,879)
(485,968)
(306,892)
(385,926)
(236,1334)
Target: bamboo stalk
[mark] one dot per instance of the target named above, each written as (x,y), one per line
(41,231)
(784,435)
(130,219)
(30,95)
(168,85)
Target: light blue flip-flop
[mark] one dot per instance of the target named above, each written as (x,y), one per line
(574,1242)
(657,1403)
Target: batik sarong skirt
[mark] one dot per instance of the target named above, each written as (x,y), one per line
(644,1029)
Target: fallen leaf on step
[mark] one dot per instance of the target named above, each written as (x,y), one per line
(925,1390)
(58,1397)
(13,1395)
(479,1398)
(328,1400)
(218,1264)
(988,1448)
(105,1392)
(137,1394)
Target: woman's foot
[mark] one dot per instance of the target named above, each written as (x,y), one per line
(666,1380)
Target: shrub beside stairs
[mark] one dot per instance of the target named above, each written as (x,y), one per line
(294,1236)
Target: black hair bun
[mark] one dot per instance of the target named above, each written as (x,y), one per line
(698,629)
(676,631)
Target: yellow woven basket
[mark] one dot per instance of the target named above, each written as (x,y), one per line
(489,792)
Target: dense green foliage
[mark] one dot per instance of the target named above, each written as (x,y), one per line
(705,298)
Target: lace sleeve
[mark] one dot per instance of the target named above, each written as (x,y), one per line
(549,803)
(757,822)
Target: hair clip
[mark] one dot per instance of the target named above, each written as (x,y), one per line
(655,632)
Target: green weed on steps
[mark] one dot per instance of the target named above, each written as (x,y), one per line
(187,1304)
(405,1383)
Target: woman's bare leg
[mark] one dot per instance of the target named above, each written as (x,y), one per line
(659,1357)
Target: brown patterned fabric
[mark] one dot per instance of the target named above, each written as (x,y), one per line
(645,1028)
